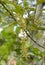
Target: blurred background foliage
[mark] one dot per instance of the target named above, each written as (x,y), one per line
(20,33)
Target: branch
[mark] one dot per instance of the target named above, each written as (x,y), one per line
(34,40)
(4,5)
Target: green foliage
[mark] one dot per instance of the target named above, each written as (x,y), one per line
(40,1)
(11,23)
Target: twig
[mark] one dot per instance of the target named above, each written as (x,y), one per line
(34,40)
(4,5)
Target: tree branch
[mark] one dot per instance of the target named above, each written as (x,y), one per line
(34,40)
(4,5)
